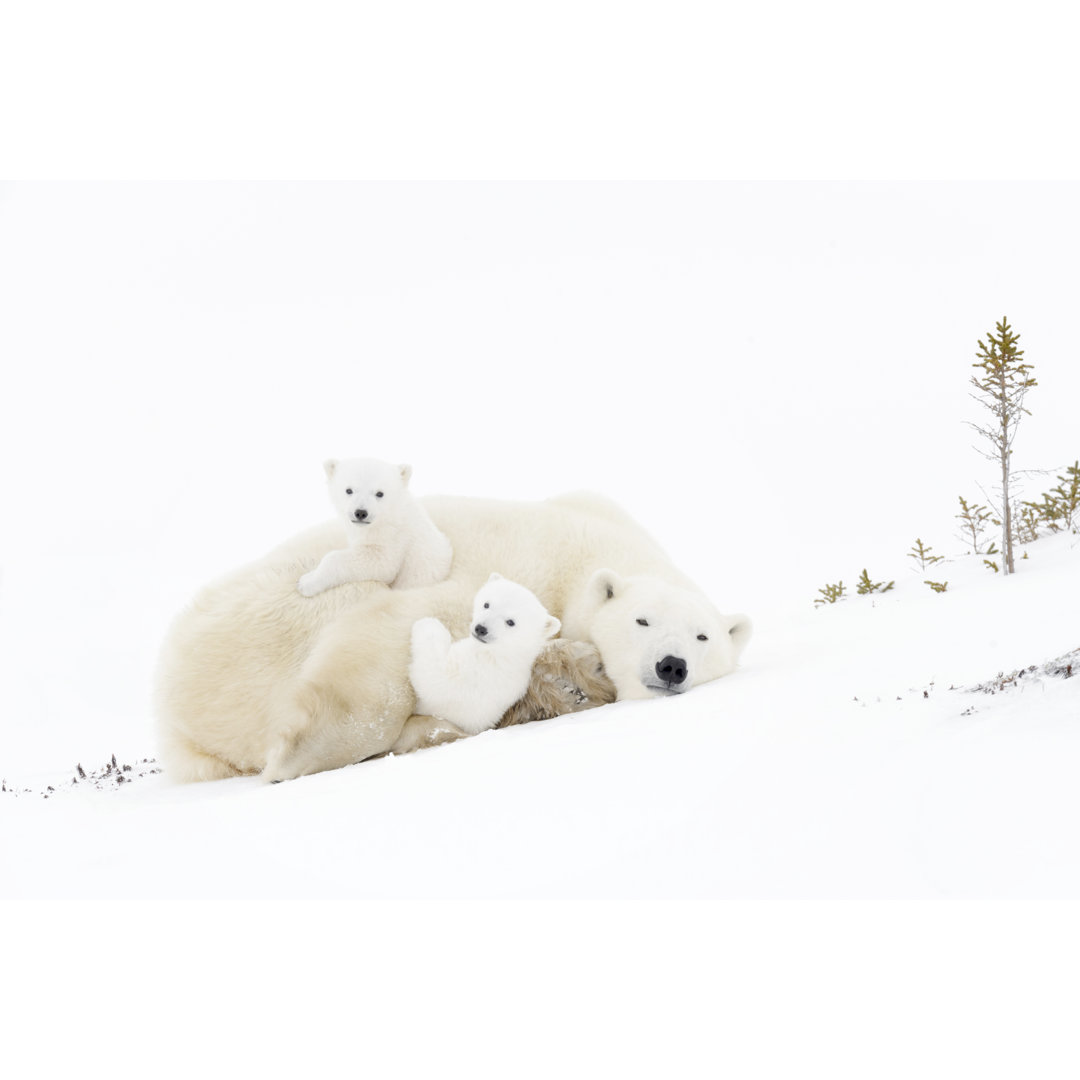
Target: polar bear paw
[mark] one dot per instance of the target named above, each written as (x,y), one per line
(429,631)
(309,584)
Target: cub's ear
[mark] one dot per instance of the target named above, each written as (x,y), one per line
(406,473)
(605,585)
(330,464)
(552,626)
(740,630)
(495,577)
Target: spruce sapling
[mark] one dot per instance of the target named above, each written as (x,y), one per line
(865,585)
(831,593)
(1002,385)
(923,555)
(973,519)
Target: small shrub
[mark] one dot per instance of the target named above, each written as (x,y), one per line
(865,585)
(973,519)
(922,554)
(1060,506)
(831,593)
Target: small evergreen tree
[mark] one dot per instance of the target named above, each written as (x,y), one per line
(865,585)
(1061,504)
(1002,385)
(973,519)
(831,593)
(1047,512)
(937,586)
(1027,524)
(922,554)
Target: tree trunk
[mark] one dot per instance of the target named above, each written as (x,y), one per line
(1006,502)
(1006,515)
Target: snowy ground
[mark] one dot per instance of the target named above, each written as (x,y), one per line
(847,758)
(737,364)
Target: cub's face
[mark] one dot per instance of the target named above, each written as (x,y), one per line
(657,639)
(363,489)
(507,613)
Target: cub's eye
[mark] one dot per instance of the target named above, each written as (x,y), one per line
(509,622)
(702,637)
(378,494)
(487,605)
(643,622)
(348,491)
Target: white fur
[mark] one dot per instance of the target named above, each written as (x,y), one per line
(390,537)
(472,682)
(659,639)
(253,677)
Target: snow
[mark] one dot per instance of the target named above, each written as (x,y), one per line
(735,364)
(847,758)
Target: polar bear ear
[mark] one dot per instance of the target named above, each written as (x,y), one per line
(605,585)
(740,630)
(495,577)
(330,464)
(552,626)
(406,473)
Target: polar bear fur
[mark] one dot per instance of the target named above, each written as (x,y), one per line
(472,682)
(254,678)
(389,535)
(567,677)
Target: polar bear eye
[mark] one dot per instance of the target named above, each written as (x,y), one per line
(643,622)
(702,637)
(487,605)
(509,622)
(378,494)
(348,491)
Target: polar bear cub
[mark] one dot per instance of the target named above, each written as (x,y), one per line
(472,682)
(390,536)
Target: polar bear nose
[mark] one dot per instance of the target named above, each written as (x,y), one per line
(672,669)
(360,515)
(480,630)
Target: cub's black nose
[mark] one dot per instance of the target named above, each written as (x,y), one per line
(672,669)
(480,630)
(360,515)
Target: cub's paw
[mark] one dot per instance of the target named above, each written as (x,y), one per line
(308,585)
(428,630)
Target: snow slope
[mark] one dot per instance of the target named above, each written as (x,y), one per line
(739,364)
(844,760)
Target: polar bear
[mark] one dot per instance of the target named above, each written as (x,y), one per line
(255,678)
(567,677)
(656,638)
(390,536)
(474,681)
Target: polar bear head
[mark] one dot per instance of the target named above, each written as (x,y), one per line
(364,490)
(658,639)
(508,614)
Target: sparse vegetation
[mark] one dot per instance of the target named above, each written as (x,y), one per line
(1002,386)
(973,518)
(831,593)
(1061,667)
(1059,508)
(923,555)
(865,586)
(110,777)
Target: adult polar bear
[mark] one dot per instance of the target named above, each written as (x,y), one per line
(255,678)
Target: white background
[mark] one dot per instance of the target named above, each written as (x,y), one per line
(729,268)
